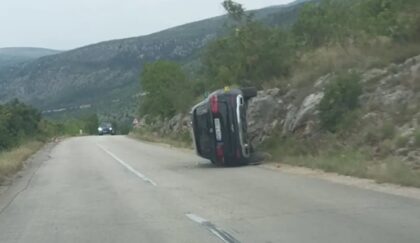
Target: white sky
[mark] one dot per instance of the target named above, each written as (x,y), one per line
(66,24)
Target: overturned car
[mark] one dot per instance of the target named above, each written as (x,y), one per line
(219,126)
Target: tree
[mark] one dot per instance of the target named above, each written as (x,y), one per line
(166,88)
(251,54)
(235,10)
(324,23)
(91,123)
(17,122)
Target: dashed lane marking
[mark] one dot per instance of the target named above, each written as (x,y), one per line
(129,167)
(222,235)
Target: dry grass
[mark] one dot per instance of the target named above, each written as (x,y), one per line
(331,155)
(394,171)
(355,164)
(12,161)
(377,54)
(182,141)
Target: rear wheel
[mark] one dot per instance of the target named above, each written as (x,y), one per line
(249,92)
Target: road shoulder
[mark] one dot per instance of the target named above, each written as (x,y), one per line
(22,179)
(367,184)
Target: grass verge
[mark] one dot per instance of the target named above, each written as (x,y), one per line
(334,158)
(12,161)
(330,156)
(354,164)
(180,141)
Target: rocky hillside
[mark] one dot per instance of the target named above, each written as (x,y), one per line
(18,55)
(105,76)
(389,115)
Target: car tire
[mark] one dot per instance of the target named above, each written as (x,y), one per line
(249,92)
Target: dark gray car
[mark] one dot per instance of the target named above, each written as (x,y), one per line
(220,126)
(106,128)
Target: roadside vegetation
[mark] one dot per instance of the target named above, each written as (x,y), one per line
(147,134)
(337,37)
(11,161)
(23,131)
(328,36)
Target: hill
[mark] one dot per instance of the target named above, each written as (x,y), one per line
(105,76)
(17,55)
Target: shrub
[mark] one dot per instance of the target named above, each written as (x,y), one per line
(17,122)
(91,123)
(402,141)
(341,97)
(388,130)
(417,139)
(167,89)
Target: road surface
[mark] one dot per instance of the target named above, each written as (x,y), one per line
(115,189)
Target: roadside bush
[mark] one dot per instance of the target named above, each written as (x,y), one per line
(166,88)
(401,142)
(417,138)
(341,97)
(91,123)
(388,130)
(386,147)
(17,122)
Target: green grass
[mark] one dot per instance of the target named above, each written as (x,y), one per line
(181,140)
(355,164)
(346,163)
(331,155)
(12,161)
(394,171)
(331,59)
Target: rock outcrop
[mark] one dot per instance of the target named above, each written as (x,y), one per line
(389,94)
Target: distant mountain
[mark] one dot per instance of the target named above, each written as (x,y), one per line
(17,55)
(105,76)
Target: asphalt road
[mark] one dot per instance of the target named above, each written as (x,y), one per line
(115,189)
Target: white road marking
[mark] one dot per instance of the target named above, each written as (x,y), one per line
(128,167)
(196,218)
(222,235)
(215,232)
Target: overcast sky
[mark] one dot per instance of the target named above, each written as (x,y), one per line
(66,24)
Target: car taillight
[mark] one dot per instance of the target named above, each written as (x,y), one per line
(214,104)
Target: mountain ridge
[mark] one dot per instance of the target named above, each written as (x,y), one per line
(105,75)
(10,56)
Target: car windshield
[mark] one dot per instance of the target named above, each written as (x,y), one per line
(106,125)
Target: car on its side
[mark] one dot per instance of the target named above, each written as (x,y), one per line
(219,126)
(106,128)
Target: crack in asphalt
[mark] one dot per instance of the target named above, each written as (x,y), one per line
(28,183)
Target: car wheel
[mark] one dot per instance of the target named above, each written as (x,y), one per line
(249,92)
